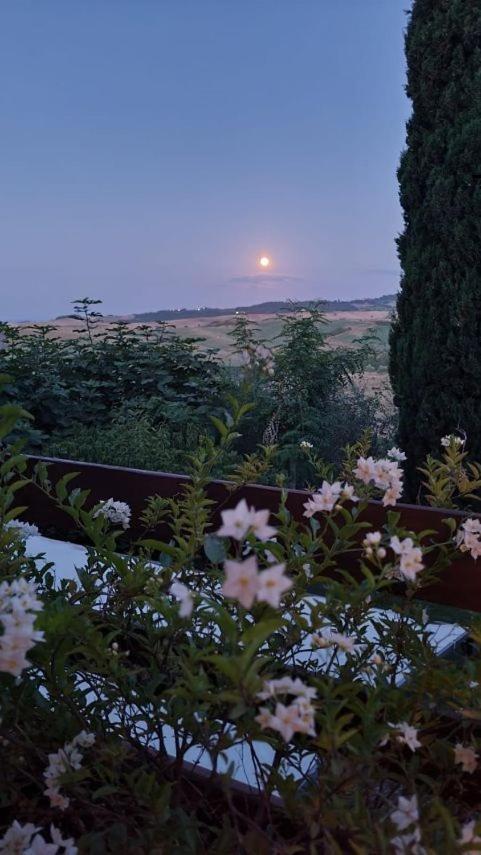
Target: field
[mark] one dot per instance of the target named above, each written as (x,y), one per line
(342,328)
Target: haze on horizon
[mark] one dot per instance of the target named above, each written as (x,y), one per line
(152,152)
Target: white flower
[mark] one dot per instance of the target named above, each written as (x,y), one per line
(348,493)
(466,757)
(365,470)
(272,584)
(24,530)
(407,812)
(69,844)
(406,735)
(344,642)
(39,846)
(385,474)
(347,643)
(17,838)
(408,844)
(392,495)
(286,686)
(64,760)
(18,608)
(304,444)
(297,717)
(468,835)
(396,454)
(241,520)
(184,596)
(115,512)
(84,739)
(320,641)
(325,499)
(410,557)
(371,544)
(264,718)
(468,537)
(373,538)
(451,439)
(242,581)
(259,525)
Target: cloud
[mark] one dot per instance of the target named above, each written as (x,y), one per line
(267,280)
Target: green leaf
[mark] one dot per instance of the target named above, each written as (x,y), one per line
(214,548)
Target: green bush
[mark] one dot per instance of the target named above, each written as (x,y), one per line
(110,681)
(143,396)
(133,441)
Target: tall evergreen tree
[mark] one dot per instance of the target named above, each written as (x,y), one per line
(435,359)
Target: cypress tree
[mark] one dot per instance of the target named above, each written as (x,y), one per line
(435,357)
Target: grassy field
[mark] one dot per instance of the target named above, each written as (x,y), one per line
(342,328)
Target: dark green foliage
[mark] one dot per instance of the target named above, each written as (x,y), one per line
(435,362)
(84,381)
(128,440)
(143,397)
(304,391)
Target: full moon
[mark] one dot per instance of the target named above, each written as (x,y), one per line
(264,261)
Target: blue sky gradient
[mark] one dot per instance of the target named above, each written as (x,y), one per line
(151,150)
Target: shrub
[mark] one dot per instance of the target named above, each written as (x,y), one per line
(253,639)
(143,396)
(132,440)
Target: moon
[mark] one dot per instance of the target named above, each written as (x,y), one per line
(264,261)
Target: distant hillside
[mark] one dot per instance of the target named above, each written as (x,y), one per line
(386,302)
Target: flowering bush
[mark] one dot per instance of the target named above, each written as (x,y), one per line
(243,648)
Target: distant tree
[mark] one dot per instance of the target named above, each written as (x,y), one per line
(435,357)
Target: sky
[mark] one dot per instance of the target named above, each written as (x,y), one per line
(152,150)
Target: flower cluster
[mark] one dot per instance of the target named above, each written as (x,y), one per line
(385,474)
(410,558)
(452,440)
(244,582)
(328,496)
(372,545)
(18,609)
(468,538)
(23,530)
(242,520)
(295,717)
(64,760)
(117,513)
(26,839)
(305,445)
(396,454)
(405,815)
(346,643)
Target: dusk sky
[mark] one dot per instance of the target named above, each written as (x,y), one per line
(153,150)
